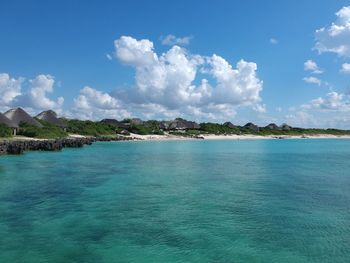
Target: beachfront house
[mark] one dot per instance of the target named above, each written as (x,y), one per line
(18,115)
(7,122)
(51,117)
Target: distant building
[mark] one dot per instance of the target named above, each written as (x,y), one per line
(251,126)
(230,125)
(272,126)
(183,125)
(18,115)
(285,127)
(136,121)
(115,123)
(51,117)
(7,122)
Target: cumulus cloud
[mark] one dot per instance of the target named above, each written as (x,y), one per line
(336,37)
(331,110)
(169,80)
(333,101)
(9,89)
(301,119)
(312,80)
(93,104)
(167,85)
(345,68)
(171,40)
(312,66)
(36,97)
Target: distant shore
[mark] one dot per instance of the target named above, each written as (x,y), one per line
(21,144)
(169,137)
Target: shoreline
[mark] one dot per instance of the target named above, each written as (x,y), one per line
(169,137)
(19,145)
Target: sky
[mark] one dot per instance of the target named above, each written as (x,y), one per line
(239,61)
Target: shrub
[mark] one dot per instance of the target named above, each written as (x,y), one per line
(5,131)
(90,128)
(48,131)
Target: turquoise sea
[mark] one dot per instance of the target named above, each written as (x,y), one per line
(178,201)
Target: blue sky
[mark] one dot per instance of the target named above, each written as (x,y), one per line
(63,55)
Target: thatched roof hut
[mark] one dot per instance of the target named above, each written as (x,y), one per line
(136,121)
(164,125)
(51,117)
(230,125)
(6,121)
(18,115)
(272,126)
(183,125)
(285,127)
(115,123)
(251,126)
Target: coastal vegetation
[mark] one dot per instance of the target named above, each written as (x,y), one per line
(5,131)
(47,131)
(89,128)
(47,125)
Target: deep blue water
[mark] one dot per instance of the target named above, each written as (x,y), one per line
(178,201)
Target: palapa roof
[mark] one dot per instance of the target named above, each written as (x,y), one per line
(136,121)
(18,115)
(272,126)
(285,127)
(229,124)
(7,121)
(115,123)
(183,125)
(51,117)
(251,126)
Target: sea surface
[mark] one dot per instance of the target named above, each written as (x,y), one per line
(178,201)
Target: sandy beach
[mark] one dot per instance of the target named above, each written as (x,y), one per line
(169,137)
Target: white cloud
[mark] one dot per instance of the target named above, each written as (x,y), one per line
(329,111)
(9,89)
(134,52)
(312,80)
(301,119)
(312,66)
(168,80)
(273,41)
(345,68)
(260,108)
(171,40)
(93,104)
(333,101)
(174,83)
(36,97)
(336,37)
(235,86)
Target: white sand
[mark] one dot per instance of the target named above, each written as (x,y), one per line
(168,137)
(171,137)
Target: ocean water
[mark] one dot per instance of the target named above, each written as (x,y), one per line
(178,201)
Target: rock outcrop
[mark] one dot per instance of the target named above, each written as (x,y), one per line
(20,146)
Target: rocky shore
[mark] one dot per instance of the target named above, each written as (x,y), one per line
(20,146)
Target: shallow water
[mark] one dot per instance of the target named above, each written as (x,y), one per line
(178,201)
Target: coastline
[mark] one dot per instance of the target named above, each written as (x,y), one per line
(169,137)
(20,144)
